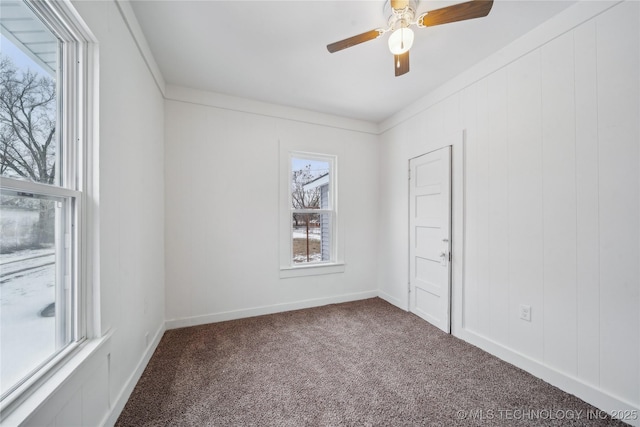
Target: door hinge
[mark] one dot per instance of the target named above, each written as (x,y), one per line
(409,174)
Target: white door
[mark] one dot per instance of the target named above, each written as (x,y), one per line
(430,237)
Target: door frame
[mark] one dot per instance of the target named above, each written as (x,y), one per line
(457,141)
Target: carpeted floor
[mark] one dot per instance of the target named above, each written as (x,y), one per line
(363,363)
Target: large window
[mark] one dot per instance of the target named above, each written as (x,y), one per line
(43,125)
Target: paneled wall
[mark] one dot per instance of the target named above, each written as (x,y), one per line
(551,205)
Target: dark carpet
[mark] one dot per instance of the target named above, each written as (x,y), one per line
(363,363)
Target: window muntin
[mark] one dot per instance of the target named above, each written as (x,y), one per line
(40,192)
(312,204)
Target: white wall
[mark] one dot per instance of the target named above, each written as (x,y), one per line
(551,201)
(132,195)
(222,207)
(131,205)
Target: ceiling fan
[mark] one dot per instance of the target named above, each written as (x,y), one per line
(402,17)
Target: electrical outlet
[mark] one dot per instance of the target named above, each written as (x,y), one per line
(525,312)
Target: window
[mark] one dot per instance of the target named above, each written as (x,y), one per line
(311,212)
(44,112)
(311,209)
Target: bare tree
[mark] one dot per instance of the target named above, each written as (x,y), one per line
(28,132)
(304,198)
(28,124)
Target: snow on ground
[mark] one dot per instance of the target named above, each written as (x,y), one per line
(26,338)
(9,269)
(301,233)
(314,234)
(20,255)
(317,257)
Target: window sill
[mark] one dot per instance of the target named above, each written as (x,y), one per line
(23,407)
(311,270)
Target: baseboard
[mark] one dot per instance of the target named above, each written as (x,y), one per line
(393,300)
(126,391)
(267,309)
(589,393)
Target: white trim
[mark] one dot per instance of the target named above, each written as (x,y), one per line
(311,269)
(393,300)
(72,26)
(89,351)
(266,309)
(591,394)
(78,61)
(312,211)
(89,256)
(227,102)
(558,25)
(37,188)
(130,20)
(40,377)
(127,389)
(458,232)
(336,263)
(244,105)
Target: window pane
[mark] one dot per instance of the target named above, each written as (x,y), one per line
(33,317)
(311,237)
(28,108)
(309,184)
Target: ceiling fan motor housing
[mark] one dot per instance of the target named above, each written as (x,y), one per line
(401,13)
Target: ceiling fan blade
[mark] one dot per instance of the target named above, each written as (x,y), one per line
(457,12)
(401,63)
(352,41)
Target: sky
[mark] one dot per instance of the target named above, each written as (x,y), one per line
(21,59)
(317,167)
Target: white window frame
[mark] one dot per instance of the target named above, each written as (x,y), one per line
(335,263)
(77,84)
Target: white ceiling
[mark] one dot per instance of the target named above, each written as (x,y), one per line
(275,51)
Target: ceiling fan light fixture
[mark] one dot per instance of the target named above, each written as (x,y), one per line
(401,40)
(401,16)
